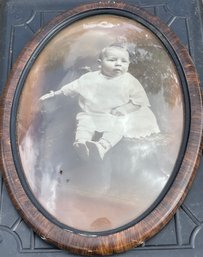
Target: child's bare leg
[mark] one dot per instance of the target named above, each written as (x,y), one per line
(106,142)
(81,137)
(112,137)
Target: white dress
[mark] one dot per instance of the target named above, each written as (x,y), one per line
(99,95)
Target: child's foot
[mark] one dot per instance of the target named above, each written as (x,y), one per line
(96,150)
(81,150)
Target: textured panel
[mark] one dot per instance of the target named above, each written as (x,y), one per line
(183,236)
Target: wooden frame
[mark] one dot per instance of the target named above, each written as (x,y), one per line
(157,214)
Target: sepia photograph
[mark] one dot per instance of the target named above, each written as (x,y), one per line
(100,123)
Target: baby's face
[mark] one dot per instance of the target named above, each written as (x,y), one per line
(115,62)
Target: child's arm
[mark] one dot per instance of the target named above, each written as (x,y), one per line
(50,95)
(69,89)
(125,109)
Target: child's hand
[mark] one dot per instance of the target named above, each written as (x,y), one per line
(47,96)
(120,111)
(125,109)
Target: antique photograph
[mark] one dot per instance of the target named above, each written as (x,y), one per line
(103,124)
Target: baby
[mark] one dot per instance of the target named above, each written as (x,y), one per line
(106,98)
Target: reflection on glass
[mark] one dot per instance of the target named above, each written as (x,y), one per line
(100,123)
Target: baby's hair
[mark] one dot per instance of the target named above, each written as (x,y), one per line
(115,45)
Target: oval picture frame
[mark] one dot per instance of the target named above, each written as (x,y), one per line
(14,120)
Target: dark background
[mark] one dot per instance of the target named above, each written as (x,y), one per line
(19,20)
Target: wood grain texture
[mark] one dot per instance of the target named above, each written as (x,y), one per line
(155,221)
